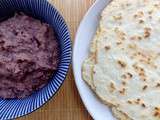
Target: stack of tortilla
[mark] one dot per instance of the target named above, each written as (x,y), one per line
(123,67)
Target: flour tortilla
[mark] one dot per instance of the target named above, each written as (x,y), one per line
(131,30)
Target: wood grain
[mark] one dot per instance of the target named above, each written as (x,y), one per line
(66,104)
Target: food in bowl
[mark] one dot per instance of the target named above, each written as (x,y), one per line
(29,54)
(124,62)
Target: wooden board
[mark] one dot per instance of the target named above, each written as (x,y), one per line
(66,104)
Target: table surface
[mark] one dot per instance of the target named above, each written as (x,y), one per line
(66,104)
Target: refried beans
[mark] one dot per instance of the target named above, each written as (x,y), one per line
(29,54)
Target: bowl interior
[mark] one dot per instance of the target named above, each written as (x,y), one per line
(42,10)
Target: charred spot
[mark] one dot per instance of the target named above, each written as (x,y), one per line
(121,63)
(157,112)
(122,91)
(143,105)
(130,75)
(124,83)
(118,43)
(158,85)
(112,87)
(141,21)
(130,102)
(136,37)
(145,87)
(118,17)
(147,32)
(107,48)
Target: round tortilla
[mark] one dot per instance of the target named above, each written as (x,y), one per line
(124,65)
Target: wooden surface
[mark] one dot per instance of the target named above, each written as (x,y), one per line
(66,104)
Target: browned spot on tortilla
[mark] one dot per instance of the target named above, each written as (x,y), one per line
(139,14)
(118,17)
(157,6)
(140,71)
(150,12)
(107,48)
(120,34)
(122,91)
(158,85)
(129,101)
(145,87)
(143,105)
(157,112)
(127,76)
(141,21)
(136,37)
(122,63)
(147,32)
(124,83)
(132,46)
(119,43)
(137,101)
(112,87)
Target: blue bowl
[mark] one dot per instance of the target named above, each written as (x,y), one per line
(45,12)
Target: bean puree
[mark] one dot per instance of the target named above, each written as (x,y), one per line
(29,54)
